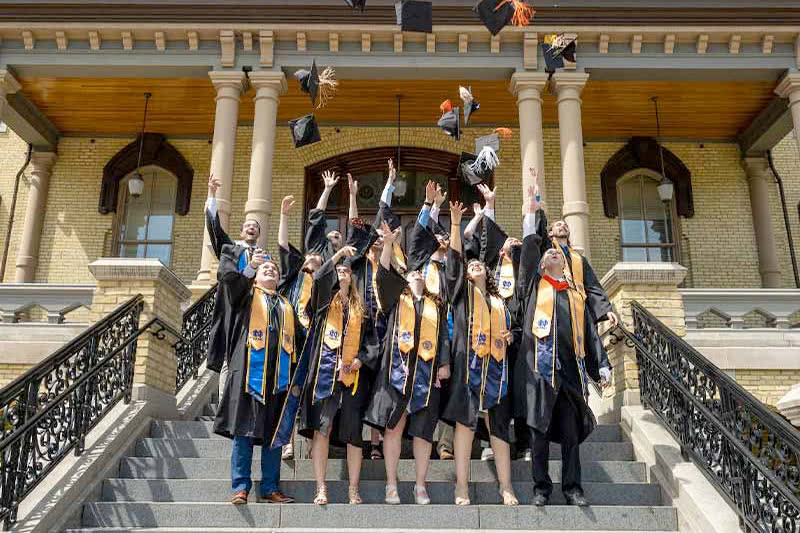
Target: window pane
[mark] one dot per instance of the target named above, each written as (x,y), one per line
(632,226)
(162,252)
(132,250)
(658,230)
(370,187)
(135,225)
(163,195)
(660,255)
(634,254)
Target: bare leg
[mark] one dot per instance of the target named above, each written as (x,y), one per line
(354,455)
(502,462)
(319,456)
(392,444)
(462,442)
(422,459)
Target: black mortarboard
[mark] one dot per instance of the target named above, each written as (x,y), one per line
(470,105)
(309,81)
(465,169)
(497,14)
(451,123)
(304,131)
(556,50)
(414,15)
(356,4)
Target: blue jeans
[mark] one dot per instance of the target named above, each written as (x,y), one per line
(242,462)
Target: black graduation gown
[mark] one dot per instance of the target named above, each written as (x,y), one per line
(291,268)
(388,404)
(596,298)
(339,416)
(317,235)
(534,392)
(463,404)
(239,413)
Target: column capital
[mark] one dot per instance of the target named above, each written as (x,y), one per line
(269,79)
(8,83)
(756,167)
(789,84)
(527,80)
(43,161)
(227,79)
(570,80)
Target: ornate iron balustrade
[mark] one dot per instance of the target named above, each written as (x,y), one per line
(191,350)
(749,453)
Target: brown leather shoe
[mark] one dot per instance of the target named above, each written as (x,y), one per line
(239,497)
(276,497)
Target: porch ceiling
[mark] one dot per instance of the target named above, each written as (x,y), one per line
(611,109)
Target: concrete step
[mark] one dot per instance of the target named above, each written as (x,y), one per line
(302,469)
(527,517)
(307,530)
(147,447)
(219,490)
(202,430)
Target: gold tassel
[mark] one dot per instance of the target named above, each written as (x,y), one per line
(523,13)
(505,133)
(327,86)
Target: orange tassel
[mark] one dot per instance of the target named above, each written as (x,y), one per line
(446,107)
(523,13)
(505,133)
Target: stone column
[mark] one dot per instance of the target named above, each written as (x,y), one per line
(789,87)
(655,286)
(269,87)
(118,280)
(28,254)
(8,85)
(759,178)
(568,86)
(528,87)
(229,86)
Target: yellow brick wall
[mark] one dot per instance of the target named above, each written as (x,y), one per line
(10,371)
(786,156)
(12,156)
(769,386)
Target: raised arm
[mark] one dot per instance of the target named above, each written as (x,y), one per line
(425,213)
(438,200)
(283,226)
(218,236)
(316,235)
(531,244)
(454,265)
(469,231)
(457,211)
(330,179)
(353,186)
(489,196)
(389,237)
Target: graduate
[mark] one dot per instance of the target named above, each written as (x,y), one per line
(416,353)
(479,386)
(265,339)
(560,350)
(318,239)
(342,345)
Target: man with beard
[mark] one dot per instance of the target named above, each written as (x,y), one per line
(318,239)
(560,350)
(239,254)
(264,341)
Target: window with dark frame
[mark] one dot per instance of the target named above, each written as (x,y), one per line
(647,232)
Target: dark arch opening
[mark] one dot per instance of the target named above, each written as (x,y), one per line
(155,151)
(643,152)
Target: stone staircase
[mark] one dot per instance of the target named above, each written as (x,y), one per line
(177,480)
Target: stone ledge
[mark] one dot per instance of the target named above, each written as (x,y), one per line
(789,405)
(628,273)
(131,268)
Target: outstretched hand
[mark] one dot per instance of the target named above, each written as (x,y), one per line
(532,201)
(214,183)
(352,184)
(389,236)
(477,209)
(488,194)
(440,196)
(430,192)
(457,211)
(392,172)
(330,179)
(286,204)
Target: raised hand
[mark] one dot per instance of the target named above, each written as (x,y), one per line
(430,192)
(440,196)
(330,179)
(488,195)
(457,211)
(352,184)
(392,172)
(214,183)
(286,204)
(532,201)
(345,251)
(477,209)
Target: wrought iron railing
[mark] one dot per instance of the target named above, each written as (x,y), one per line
(191,350)
(749,453)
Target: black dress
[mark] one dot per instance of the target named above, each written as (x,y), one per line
(463,404)
(388,401)
(339,415)
(239,413)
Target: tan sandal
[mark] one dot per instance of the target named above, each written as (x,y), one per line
(322,495)
(355,498)
(509,498)
(461,500)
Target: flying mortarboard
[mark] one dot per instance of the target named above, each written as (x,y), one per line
(304,131)
(558,51)
(414,15)
(315,84)
(465,169)
(486,162)
(497,14)
(470,105)
(450,120)
(356,4)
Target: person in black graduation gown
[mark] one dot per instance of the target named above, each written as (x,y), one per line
(560,350)
(265,339)
(480,377)
(416,353)
(343,344)
(318,239)
(239,253)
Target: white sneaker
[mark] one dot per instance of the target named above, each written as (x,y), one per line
(288,452)
(487,454)
(392,496)
(421,495)
(527,455)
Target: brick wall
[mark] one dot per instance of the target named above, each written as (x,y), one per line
(769,386)
(786,156)
(10,371)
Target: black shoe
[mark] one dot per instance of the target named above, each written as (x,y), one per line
(576,498)
(540,500)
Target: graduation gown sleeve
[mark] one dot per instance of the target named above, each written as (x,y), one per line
(454,273)
(596,297)
(291,263)
(390,287)
(528,267)
(231,290)
(316,235)
(596,355)
(360,237)
(492,240)
(421,244)
(218,236)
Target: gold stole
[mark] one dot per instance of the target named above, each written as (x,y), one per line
(543,317)
(258,335)
(334,326)
(374,282)
(574,273)
(399,256)
(432,280)
(428,330)
(506,288)
(303,299)
(487,324)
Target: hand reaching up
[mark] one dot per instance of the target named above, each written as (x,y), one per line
(286,204)
(330,179)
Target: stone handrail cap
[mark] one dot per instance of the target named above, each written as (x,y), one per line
(134,268)
(630,273)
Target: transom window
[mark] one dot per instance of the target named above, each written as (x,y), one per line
(646,223)
(146,223)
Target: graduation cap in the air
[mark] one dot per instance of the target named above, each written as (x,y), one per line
(557,51)
(356,4)
(304,131)
(470,105)
(315,84)
(465,171)
(450,121)
(414,15)
(497,14)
